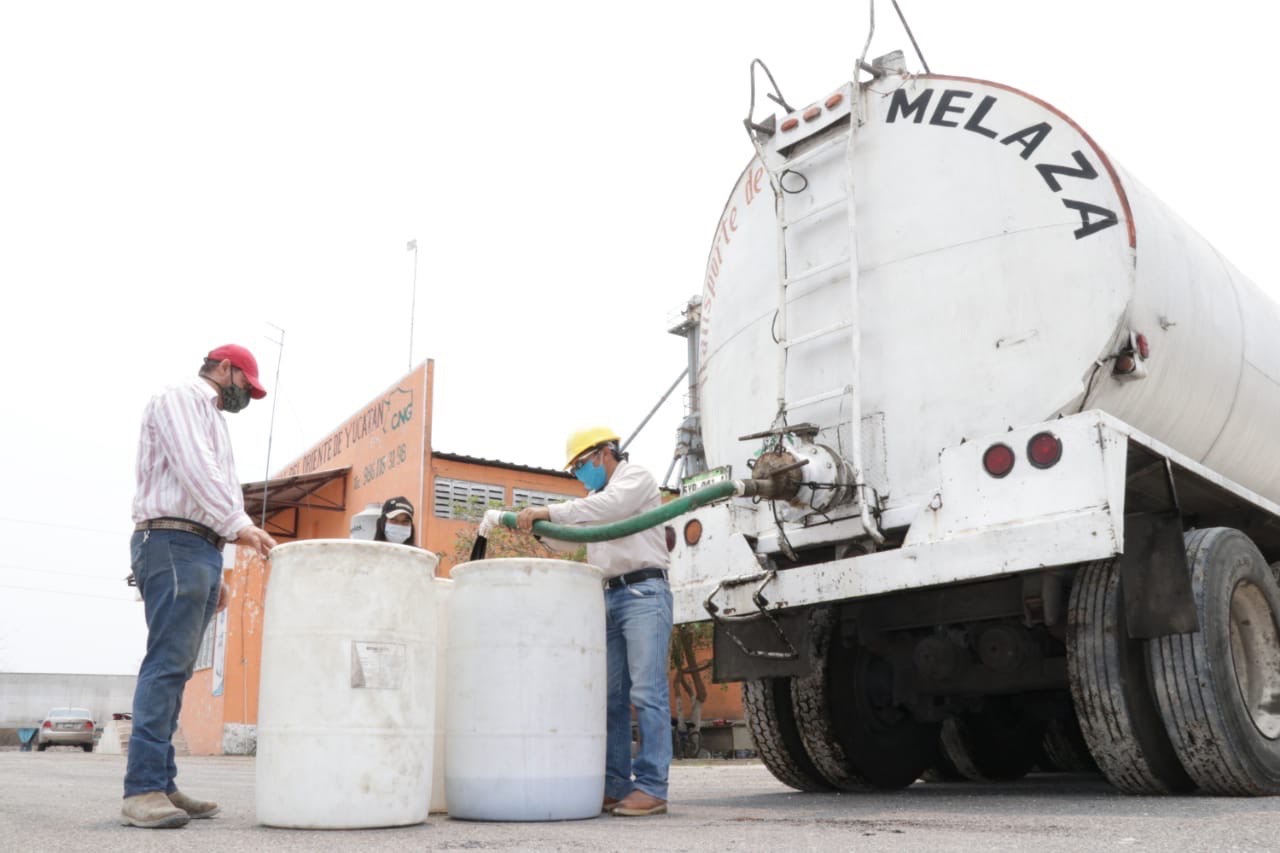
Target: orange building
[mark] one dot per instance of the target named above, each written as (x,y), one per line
(382,451)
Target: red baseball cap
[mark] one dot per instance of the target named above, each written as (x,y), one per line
(243,359)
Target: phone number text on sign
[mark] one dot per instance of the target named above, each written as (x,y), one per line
(375,469)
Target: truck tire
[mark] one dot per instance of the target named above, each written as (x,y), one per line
(1218,688)
(767,704)
(1109,685)
(810,702)
(1000,743)
(884,745)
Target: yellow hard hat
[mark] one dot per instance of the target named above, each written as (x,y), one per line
(585,439)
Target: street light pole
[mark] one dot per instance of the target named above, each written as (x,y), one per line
(412,246)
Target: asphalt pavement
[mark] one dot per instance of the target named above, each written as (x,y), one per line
(62,800)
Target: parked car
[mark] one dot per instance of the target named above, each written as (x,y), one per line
(66,726)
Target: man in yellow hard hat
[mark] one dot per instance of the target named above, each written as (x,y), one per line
(638,614)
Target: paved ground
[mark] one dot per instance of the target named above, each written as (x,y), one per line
(63,800)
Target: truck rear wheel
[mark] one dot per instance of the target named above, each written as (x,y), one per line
(1000,743)
(767,703)
(1108,674)
(1218,689)
(811,702)
(883,744)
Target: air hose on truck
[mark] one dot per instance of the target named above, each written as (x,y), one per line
(628,526)
(775,486)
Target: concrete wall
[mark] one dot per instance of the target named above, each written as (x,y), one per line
(25,697)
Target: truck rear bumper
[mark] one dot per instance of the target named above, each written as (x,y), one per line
(1062,540)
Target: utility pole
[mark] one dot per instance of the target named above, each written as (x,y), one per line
(412,246)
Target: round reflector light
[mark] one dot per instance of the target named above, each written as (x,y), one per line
(998,460)
(693,532)
(790,123)
(1044,450)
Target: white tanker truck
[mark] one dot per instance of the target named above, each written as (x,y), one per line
(1020,421)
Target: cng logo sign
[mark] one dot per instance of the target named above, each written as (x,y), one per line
(399,406)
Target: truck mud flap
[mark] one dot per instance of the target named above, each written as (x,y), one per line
(760,647)
(1154,577)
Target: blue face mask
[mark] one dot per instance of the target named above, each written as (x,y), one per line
(590,475)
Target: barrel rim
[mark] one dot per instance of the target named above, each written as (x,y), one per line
(360,544)
(479,566)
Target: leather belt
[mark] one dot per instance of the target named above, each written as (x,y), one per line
(208,534)
(635,577)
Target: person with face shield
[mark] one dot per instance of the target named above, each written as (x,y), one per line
(188,504)
(395,525)
(638,613)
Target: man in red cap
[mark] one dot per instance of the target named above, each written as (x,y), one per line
(187,506)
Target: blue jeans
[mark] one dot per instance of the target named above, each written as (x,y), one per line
(638,632)
(178,575)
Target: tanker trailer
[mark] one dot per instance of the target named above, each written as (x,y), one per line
(1018,419)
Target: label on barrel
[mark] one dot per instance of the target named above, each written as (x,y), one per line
(377,665)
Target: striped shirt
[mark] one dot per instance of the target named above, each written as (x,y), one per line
(630,491)
(185,467)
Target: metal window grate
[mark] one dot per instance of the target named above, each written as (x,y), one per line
(528,497)
(462,499)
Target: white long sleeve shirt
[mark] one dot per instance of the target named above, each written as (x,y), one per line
(630,491)
(185,467)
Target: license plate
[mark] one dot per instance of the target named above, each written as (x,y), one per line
(68,727)
(698,482)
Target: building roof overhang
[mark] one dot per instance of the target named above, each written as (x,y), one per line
(268,497)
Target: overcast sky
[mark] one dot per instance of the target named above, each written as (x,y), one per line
(176,176)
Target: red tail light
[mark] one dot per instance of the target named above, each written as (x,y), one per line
(88,726)
(693,532)
(998,460)
(1044,450)
(46,725)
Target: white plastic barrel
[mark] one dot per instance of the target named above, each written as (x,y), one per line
(439,802)
(347,697)
(525,724)
(364,524)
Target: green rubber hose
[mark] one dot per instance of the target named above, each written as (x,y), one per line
(628,526)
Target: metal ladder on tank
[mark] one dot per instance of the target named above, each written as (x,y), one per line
(777,166)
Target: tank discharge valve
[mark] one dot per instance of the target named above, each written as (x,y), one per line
(806,477)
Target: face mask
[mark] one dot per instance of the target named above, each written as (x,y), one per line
(234,398)
(398,533)
(591,475)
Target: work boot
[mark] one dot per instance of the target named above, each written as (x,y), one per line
(640,804)
(194,808)
(610,803)
(152,810)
